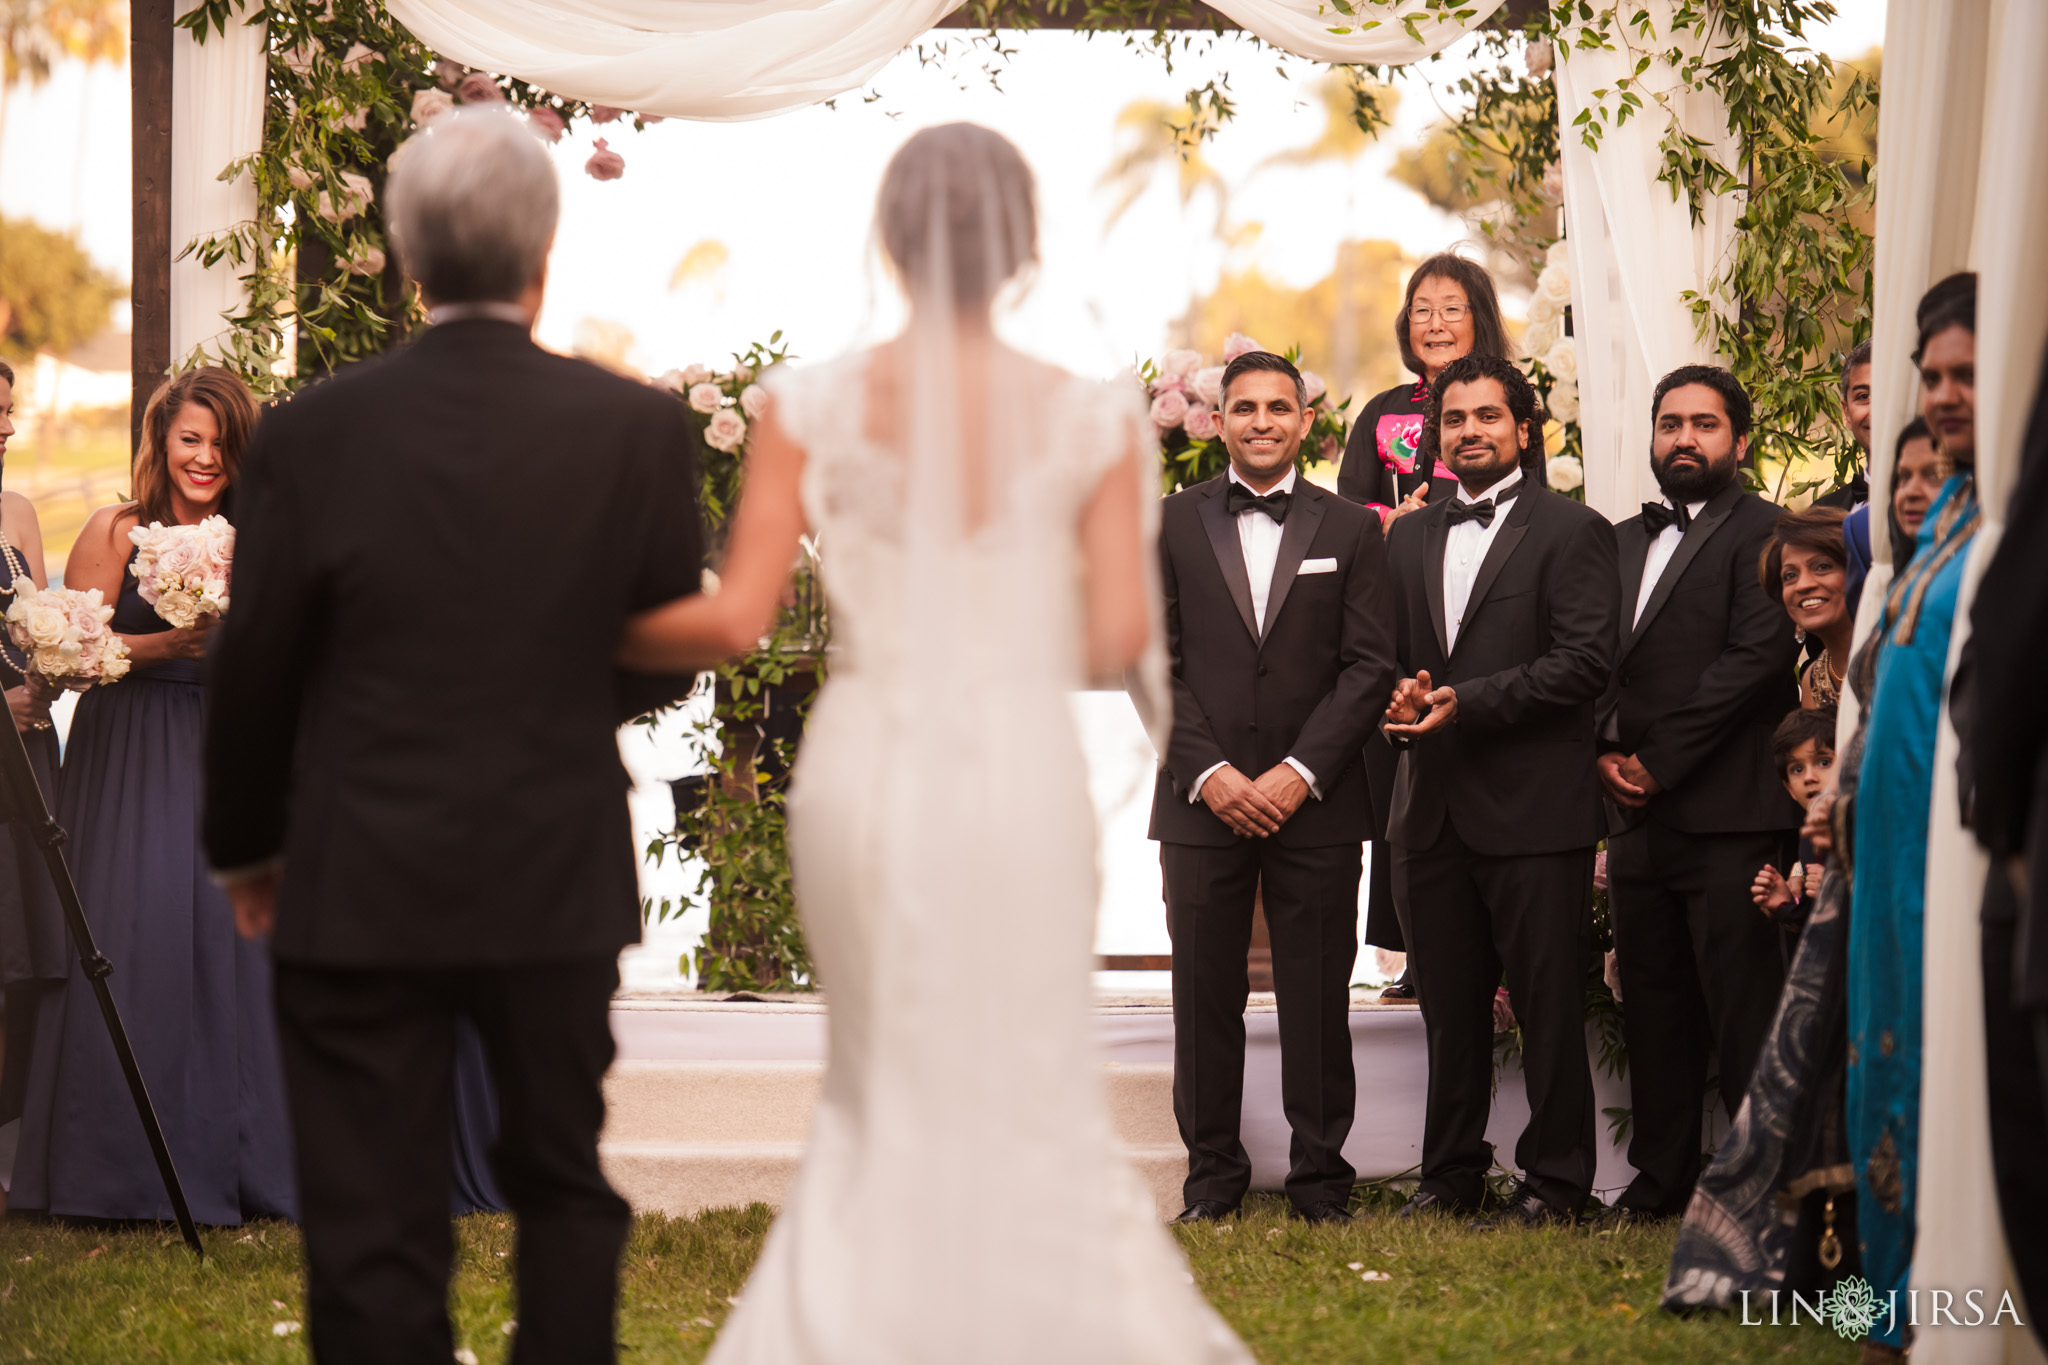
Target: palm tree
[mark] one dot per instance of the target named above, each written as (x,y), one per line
(36,34)
(1157,135)
(1342,140)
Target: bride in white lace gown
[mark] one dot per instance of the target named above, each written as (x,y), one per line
(984,519)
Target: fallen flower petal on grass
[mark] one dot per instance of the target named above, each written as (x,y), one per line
(283,1329)
(1375,1276)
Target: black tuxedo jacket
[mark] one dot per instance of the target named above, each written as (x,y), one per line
(1310,688)
(1702,680)
(413,699)
(1514,773)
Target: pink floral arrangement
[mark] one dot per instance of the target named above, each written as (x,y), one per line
(724,403)
(184,571)
(63,634)
(1185,396)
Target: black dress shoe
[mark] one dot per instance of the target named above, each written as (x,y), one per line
(1324,1211)
(1525,1209)
(1400,992)
(1206,1211)
(1422,1201)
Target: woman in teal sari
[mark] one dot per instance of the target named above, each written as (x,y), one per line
(1888,899)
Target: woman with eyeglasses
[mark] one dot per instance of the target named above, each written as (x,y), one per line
(1450,311)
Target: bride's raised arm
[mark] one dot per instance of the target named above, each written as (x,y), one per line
(1113,547)
(696,632)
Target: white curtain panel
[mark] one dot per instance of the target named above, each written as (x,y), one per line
(1635,251)
(719,60)
(1961,1239)
(217,92)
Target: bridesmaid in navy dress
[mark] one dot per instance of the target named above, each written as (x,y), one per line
(194,994)
(33,948)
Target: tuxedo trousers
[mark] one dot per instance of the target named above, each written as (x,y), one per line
(369,1061)
(1311,902)
(1468,919)
(1701,971)
(2013,1069)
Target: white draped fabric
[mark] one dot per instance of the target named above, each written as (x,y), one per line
(217,94)
(1634,253)
(714,60)
(1975,176)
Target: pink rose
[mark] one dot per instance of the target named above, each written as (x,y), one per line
(605,113)
(1181,364)
(368,261)
(706,398)
(1313,382)
(479,87)
(726,430)
(1239,344)
(449,74)
(547,123)
(754,401)
(357,55)
(1329,450)
(1169,383)
(604,163)
(1169,410)
(356,121)
(1209,385)
(1201,422)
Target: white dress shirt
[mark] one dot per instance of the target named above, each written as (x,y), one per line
(1258,535)
(1465,547)
(1659,557)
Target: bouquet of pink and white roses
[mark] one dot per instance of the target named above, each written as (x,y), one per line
(1186,396)
(63,632)
(185,570)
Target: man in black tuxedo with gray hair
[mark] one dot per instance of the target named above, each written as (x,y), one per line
(1704,673)
(1278,627)
(1506,608)
(412,758)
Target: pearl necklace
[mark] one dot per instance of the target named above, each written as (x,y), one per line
(17,569)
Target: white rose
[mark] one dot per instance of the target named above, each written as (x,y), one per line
(1555,283)
(1541,335)
(696,374)
(754,402)
(706,397)
(1543,309)
(1564,472)
(1564,402)
(727,430)
(45,622)
(1180,363)
(1562,360)
(429,105)
(1559,253)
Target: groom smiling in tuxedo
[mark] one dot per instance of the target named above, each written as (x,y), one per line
(1280,631)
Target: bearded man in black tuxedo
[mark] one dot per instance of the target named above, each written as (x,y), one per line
(1703,676)
(1279,630)
(1506,609)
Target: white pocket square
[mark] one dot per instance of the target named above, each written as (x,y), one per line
(1317,566)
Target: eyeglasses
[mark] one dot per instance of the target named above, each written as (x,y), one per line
(1451,313)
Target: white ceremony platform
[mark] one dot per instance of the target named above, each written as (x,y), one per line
(710,1100)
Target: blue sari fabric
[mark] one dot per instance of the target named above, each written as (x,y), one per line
(1888,901)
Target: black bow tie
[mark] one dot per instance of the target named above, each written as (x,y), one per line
(1657,516)
(1237,498)
(1481,511)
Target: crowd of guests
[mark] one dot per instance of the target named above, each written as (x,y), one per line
(1671,687)
(1479,676)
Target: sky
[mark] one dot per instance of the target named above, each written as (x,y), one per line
(790,198)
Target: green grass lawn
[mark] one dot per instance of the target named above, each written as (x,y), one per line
(95,1294)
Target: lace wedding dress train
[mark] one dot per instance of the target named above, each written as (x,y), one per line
(962,1198)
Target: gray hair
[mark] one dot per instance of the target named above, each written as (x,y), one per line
(471,205)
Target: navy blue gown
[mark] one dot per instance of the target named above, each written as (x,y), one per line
(34,948)
(195,995)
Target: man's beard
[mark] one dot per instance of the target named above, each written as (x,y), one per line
(1498,470)
(1693,483)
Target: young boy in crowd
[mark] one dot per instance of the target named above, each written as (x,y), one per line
(1804,747)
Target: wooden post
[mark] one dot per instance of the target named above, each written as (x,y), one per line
(149,86)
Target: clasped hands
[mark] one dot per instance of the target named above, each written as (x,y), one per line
(1627,781)
(1417,707)
(1255,809)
